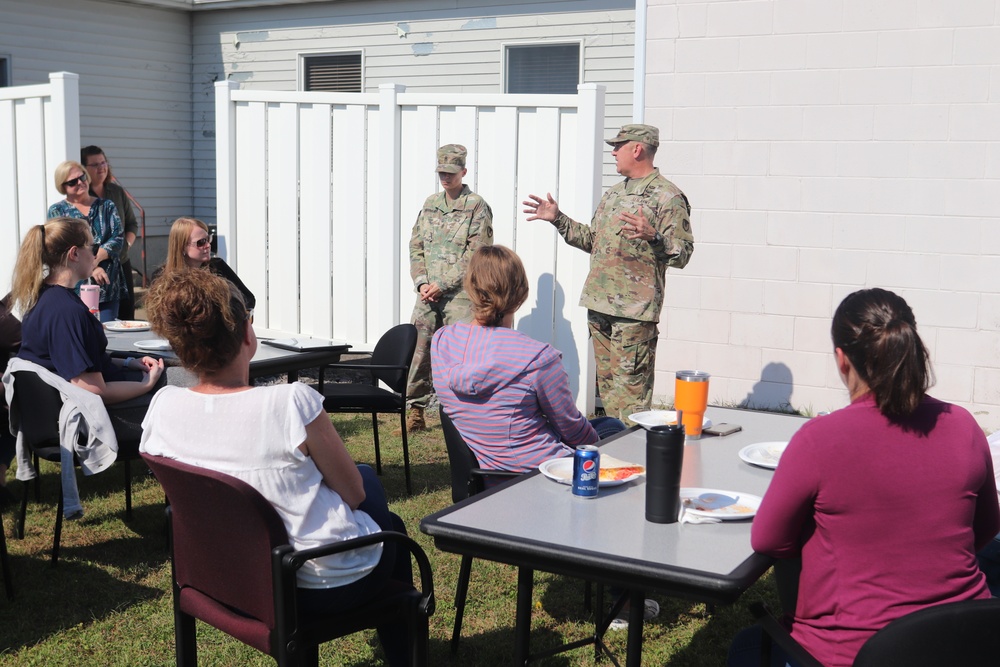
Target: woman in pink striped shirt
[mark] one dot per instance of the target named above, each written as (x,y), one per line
(507,393)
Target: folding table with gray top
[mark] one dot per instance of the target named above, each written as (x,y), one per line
(266,361)
(536,523)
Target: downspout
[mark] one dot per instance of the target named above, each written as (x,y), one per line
(639,66)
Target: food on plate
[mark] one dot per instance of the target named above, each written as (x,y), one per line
(132,324)
(622,472)
(735,508)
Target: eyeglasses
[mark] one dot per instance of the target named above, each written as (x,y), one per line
(72,183)
(97,165)
(94,247)
(201,243)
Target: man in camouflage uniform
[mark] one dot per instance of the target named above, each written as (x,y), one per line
(451,226)
(641,227)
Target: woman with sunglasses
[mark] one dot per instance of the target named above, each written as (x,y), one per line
(190,247)
(105,225)
(59,333)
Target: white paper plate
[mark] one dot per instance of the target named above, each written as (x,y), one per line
(652,418)
(561,470)
(718,504)
(127,325)
(764,454)
(153,345)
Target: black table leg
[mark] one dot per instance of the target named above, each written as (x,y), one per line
(522,628)
(637,609)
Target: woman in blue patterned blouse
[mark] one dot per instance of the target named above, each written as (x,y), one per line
(105,225)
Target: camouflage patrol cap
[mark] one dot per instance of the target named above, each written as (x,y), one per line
(646,134)
(451,158)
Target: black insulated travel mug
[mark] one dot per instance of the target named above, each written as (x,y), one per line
(664,460)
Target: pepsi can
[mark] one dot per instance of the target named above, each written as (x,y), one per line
(586,471)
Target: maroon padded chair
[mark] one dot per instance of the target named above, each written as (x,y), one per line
(234,569)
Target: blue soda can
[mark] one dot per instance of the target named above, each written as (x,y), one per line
(586,471)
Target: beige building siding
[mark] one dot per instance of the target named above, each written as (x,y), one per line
(826,147)
(134,64)
(458,49)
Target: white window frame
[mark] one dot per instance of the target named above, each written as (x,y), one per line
(303,55)
(505,46)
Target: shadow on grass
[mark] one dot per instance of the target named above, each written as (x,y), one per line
(496,647)
(49,600)
(715,636)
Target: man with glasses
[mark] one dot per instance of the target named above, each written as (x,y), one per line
(642,226)
(451,226)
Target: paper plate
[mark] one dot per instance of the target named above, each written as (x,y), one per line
(652,418)
(764,454)
(724,505)
(561,470)
(127,325)
(153,345)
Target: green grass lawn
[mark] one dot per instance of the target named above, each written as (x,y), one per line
(108,601)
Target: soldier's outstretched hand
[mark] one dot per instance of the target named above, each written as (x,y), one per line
(541,209)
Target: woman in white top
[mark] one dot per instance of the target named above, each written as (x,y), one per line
(278,439)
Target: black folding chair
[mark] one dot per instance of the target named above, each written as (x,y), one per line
(389,363)
(957,633)
(39,425)
(467,479)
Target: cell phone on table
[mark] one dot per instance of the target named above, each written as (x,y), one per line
(723,429)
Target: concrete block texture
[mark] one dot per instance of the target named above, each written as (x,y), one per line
(836,266)
(765,331)
(803,230)
(907,48)
(770,123)
(732,296)
(749,17)
(772,52)
(808,16)
(736,157)
(765,262)
(737,228)
(842,144)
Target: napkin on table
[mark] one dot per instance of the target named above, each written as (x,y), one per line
(686,517)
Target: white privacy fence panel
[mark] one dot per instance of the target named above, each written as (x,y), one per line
(318,193)
(39,128)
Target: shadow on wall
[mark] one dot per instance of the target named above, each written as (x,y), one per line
(773,391)
(545,322)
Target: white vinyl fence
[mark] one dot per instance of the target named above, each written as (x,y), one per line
(39,128)
(318,193)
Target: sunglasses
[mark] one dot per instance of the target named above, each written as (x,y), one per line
(201,243)
(72,183)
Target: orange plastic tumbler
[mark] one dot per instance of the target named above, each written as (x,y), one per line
(691,398)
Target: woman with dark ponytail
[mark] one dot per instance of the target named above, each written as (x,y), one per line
(886,501)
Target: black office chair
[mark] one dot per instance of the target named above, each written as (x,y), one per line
(467,479)
(39,425)
(956,633)
(390,363)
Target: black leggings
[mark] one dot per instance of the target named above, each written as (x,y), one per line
(394,565)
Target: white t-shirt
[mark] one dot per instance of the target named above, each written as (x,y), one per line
(254,436)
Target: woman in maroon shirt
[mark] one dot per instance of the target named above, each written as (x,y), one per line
(886,501)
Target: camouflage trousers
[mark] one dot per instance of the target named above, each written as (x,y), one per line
(428,318)
(625,351)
